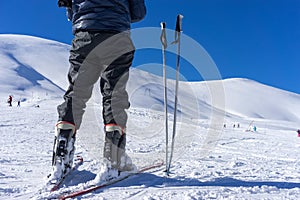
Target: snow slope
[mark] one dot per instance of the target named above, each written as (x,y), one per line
(210,162)
(31,66)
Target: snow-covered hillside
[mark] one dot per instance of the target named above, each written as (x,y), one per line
(32,67)
(210,161)
(35,66)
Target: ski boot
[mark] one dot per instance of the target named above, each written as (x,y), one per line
(63,151)
(114,149)
(124,161)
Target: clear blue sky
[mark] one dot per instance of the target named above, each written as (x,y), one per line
(256,39)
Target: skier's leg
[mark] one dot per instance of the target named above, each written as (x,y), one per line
(83,73)
(115,102)
(113,88)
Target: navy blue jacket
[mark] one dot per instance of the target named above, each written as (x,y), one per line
(109,15)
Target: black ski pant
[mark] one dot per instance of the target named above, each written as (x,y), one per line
(94,55)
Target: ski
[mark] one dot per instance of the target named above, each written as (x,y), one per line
(77,162)
(93,188)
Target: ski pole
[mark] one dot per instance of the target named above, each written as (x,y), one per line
(163,39)
(177,41)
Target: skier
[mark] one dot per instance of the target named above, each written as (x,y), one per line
(101,48)
(298,131)
(9,101)
(254,128)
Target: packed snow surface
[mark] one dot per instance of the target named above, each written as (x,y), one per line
(217,154)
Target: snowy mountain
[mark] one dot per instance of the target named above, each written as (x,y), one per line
(210,161)
(34,66)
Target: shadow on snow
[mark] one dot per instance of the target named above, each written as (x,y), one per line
(151,180)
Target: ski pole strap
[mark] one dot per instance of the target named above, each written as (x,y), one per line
(163,37)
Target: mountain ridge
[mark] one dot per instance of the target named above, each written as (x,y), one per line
(35,65)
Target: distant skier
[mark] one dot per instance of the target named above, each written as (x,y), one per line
(9,101)
(101,48)
(298,131)
(254,128)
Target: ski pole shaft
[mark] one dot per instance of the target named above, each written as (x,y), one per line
(177,41)
(164,46)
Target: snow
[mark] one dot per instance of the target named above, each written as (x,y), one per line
(210,162)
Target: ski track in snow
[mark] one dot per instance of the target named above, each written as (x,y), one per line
(243,165)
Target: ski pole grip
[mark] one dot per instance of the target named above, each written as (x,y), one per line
(179,23)
(163,25)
